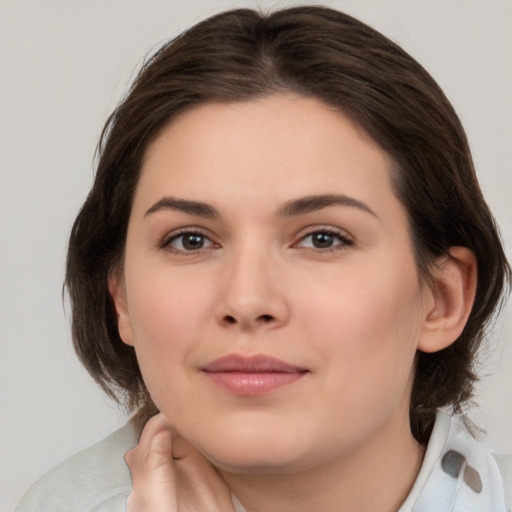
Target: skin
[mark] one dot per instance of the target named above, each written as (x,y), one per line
(351,310)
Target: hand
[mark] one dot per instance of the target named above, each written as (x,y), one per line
(169,475)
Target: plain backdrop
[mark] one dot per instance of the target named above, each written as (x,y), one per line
(64,64)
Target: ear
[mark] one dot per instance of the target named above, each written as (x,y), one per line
(451,299)
(117,290)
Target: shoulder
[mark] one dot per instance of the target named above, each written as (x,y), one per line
(459,473)
(486,473)
(94,480)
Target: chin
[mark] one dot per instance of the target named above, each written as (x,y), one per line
(248,463)
(255,452)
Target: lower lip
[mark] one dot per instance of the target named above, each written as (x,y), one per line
(253,384)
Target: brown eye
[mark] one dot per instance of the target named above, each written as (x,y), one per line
(324,239)
(189,242)
(192,242)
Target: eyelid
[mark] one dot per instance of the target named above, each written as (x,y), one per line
(166,241)
(346,239)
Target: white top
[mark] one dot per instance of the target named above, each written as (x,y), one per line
(94,480)
(457,475)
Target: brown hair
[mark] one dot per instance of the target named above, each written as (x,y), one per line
(317,52)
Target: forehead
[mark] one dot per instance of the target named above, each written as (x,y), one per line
(280,146)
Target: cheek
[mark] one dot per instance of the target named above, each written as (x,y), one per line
(167,313)
(164,306)
(370,325)
(369,352)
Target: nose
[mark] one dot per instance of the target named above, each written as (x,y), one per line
(253,295)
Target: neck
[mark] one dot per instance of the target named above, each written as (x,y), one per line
(377,476)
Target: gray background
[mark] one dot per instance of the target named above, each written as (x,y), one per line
(64,64)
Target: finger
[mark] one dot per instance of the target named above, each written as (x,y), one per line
(169,474)
(154,447)
(152,471)
(200,487)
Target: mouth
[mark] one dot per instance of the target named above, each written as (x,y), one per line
(252,376)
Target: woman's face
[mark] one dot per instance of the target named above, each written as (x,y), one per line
(269,286)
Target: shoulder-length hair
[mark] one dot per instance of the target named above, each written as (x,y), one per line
(316,52)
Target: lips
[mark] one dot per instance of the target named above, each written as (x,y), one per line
(252,376)
(252,364)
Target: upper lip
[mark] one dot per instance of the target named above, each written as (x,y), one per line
(251,364)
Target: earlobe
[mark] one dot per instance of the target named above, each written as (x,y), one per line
(117,291)
(453,293)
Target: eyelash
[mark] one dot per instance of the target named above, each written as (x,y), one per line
(167,242)
(343,240)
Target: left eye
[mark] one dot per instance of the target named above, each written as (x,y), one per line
(323,239)
(189,242)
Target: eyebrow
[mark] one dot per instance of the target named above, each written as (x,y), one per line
(310,204)
(183,205)
(291,208)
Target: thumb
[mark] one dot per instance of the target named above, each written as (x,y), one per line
(152,471)
(199,485)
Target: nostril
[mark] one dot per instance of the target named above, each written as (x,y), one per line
(261,319)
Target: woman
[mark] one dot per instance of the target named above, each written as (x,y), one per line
(286,263)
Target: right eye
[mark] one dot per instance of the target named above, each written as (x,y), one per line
(326,239)
(188,241)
